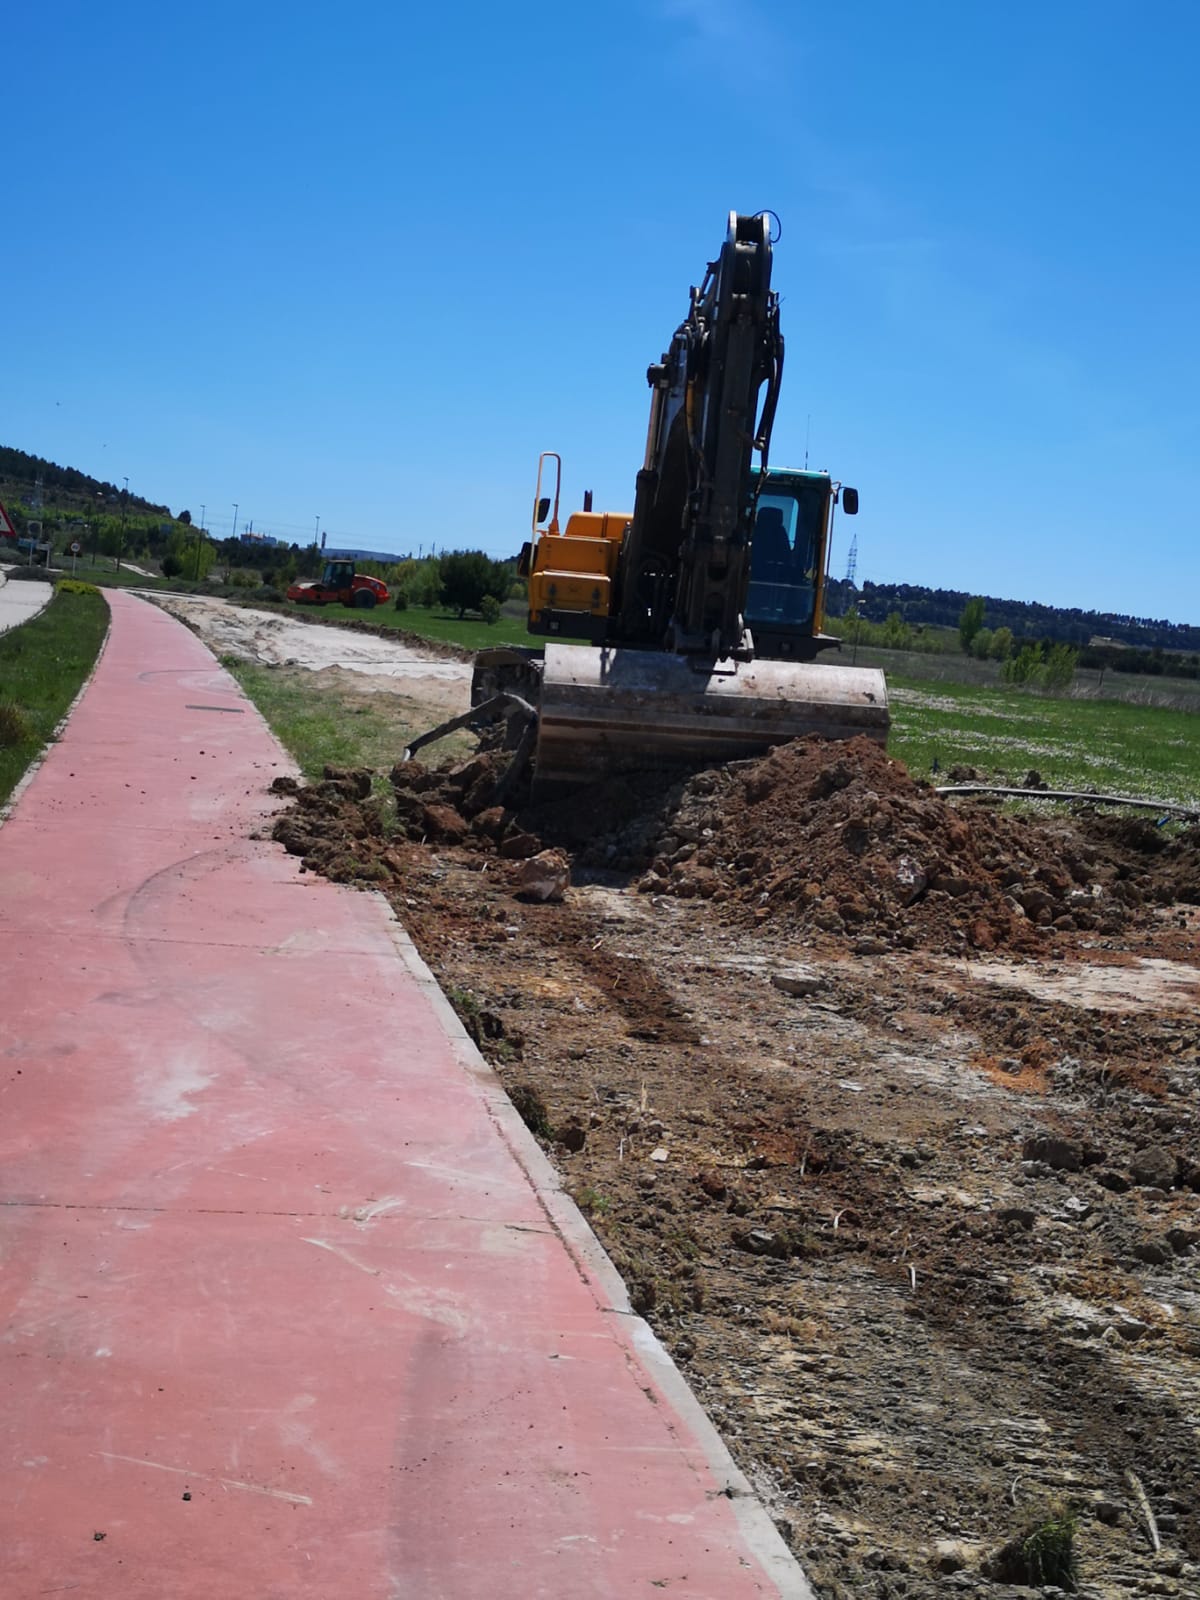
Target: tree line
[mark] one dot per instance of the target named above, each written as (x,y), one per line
(1025,619)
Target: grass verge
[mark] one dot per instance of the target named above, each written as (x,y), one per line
(341,724)
(468,632)
(1108,745)
(43,664)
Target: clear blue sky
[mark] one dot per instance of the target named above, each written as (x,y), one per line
(365,261)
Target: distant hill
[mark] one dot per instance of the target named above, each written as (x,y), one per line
(1028,619)
(63,488)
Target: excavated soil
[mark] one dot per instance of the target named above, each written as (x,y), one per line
(883,1104)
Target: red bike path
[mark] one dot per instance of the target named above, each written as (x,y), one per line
(292,1303)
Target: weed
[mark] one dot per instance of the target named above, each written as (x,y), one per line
(592,1203)
(14,725)
(531,1109)
(1042,1553)
(467,1008)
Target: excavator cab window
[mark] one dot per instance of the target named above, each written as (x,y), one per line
(784,555)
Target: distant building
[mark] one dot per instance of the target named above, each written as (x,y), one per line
(341,554)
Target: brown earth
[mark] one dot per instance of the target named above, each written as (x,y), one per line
(884,1107)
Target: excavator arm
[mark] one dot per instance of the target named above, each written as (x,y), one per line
(686,566)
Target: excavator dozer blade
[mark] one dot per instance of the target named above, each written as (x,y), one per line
(617,710)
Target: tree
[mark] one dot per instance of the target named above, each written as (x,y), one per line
(185,517)
(897,635)
(1002,643)
(467,576)
(970,621)
(1059,670)
(981,644)
(1023,668)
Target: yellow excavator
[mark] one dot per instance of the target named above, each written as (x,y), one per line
(702,610)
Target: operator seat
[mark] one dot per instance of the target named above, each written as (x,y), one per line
(771,552)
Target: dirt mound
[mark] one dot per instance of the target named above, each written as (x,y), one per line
(839,839)
(825,839)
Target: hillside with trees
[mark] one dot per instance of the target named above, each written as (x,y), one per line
(1025,619)
(64,489)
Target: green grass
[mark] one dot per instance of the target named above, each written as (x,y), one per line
(43,664)
(103,570)
(1179,694)
(343,725)
(316,726)
(469,632)
(1108,745)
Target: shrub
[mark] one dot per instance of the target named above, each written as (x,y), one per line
(172,566)
(425,584)
(1059,670)
(14,728)
(400,599)
(489,609)
(1024,667)
(74,586)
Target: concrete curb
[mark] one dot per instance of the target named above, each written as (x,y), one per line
(592,1261)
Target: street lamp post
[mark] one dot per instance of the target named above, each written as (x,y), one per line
(235,512)
(199,540)
(124,508)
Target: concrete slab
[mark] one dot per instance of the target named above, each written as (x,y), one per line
(21,600)
(293,1304)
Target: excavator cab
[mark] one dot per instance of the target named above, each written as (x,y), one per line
(789,560)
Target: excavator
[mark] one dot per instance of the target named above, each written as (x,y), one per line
(703,608)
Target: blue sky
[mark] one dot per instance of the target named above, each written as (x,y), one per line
(363,262)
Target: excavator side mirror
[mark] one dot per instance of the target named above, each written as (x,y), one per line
(543,508)
(850,502)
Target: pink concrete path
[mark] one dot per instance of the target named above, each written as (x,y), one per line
(292,1304)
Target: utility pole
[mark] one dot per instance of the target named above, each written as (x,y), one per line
(124,508)
(233,535)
